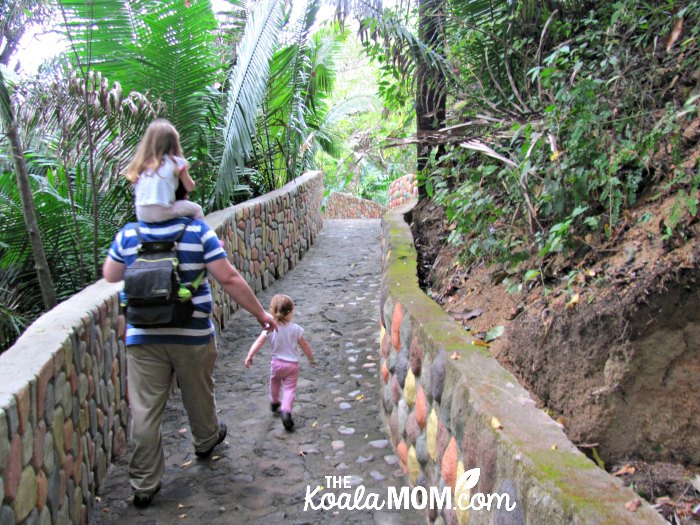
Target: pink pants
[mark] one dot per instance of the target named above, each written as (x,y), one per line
(284,373)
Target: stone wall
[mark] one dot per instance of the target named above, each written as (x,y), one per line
(451,407)
(63,404)
(402,190)
(267,236)
(344,206)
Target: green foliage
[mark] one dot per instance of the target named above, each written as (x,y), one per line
(578,111)
(244,132)
(293,125)
(65,213)
(166,50)
(78,214)
(12,322)
(248,82)
(366,124)
(685,207)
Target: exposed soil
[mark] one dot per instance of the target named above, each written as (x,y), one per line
(612,352)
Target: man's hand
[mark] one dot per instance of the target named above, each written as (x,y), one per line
(267,322)
(237,288)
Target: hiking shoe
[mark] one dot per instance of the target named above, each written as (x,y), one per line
(287,420)
(141,501)
(274,406)
(222,435)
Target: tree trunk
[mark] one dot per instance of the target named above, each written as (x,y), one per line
(431,88)
(41,264)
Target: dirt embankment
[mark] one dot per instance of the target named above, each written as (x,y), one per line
(613,353)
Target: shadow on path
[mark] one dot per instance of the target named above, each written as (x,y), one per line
(260,473)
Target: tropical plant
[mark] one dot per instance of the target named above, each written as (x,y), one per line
(53,125)
(165,50)
(246,89)
(293,123)
(369,115)
(9,124)
(574,118)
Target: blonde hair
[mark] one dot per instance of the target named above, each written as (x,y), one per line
(161,138)
(282,308)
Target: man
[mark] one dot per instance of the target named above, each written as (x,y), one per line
(154,354)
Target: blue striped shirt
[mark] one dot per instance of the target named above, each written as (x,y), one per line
(198,246)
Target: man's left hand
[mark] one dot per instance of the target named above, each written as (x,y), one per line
(268,322)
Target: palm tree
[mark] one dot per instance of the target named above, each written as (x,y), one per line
(431,91)
(165,50)
(247,83)
(9,123)
(54,137)
(293,123)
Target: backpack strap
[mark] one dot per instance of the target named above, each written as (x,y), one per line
(182,232)
(195,284)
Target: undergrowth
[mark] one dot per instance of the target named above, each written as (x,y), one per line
(602,116)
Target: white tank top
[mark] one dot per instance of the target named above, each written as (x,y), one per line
(159,187)
(284,342)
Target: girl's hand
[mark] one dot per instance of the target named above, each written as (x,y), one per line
(248,361)
(186,180)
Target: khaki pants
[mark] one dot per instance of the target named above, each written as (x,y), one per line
(150,372)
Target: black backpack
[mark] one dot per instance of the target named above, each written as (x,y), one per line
(155,295)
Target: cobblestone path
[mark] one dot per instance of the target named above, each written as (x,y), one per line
(260,474)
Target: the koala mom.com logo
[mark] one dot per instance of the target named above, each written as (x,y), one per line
(338,494)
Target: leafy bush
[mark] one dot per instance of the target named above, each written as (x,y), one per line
(578,118)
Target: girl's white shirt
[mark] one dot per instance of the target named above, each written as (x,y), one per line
(159,187)
(284,342)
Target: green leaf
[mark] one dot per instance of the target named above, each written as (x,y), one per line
(597,458)
(531,274)
(6,113)
(494,333)
(166,49)
(429,189)
(592,222)
(579,210)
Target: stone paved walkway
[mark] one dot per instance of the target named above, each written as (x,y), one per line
(261,473)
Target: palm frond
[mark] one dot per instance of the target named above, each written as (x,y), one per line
(247,84)
(100,32)
(167,50)
(406,50)
(299,81)
(55,129)
(5,103)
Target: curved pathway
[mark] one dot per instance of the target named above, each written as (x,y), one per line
(260,474)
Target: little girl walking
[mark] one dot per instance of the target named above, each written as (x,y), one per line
(157,170)
(284,367)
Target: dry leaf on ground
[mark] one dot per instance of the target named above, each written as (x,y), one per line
(633,504)
(575,299)
(627,469)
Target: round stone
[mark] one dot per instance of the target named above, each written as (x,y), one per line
(377,476)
